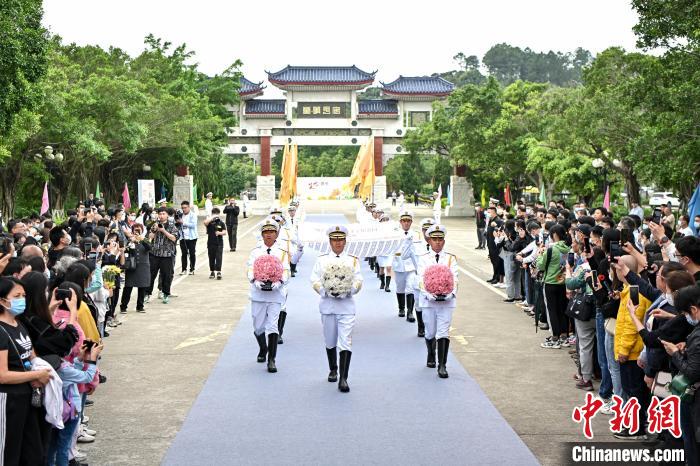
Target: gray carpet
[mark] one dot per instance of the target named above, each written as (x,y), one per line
(397,412)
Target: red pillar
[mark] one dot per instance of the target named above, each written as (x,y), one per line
(460,170)
(264,155)
(378,158)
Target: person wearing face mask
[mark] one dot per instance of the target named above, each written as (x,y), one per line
(685,358)
(684,227)
(22,442)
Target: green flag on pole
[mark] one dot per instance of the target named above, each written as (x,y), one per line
(543,195)
(194,193)
(98,194)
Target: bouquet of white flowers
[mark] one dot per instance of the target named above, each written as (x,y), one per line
(337,279)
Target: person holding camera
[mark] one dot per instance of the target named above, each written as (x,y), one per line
(216,230)
(231,210)
(187,221)
(138,269)
(163,236)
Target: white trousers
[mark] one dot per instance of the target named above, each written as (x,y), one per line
(404,281)
(337,330)
(297,255)
(265,317)
(437,321)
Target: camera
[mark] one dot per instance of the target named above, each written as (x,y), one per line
(178,215)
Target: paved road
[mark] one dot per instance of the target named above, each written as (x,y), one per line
(157,363)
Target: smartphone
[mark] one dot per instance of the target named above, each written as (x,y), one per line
(626,236)
(594,276)
(586,245)
(121,243)
(615,251)
(63,294)
(634,294)
(92,257)
(545,236)
(88,344)
(656,216)
(571,259)
(87,248)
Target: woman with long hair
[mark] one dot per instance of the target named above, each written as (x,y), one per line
(22,439)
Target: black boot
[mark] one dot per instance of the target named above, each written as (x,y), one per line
(409,308)
(388,281)
(421,324)
(381,281)
(332,364)
(430,344)
(262,354)
(344,368)
(401,298)
(271,352)
(443,347)
(280,325)
(293,269)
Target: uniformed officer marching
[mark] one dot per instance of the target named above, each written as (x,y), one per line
(437,313)
(421,248)
(265,305)
(404,265)
(292,223)
(284,242)
(337,312)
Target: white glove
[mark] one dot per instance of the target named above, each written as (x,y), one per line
(276,285)
(431,297)
(258,284)
(322,292)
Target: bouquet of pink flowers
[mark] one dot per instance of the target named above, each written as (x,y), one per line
(267,269)
(438,281)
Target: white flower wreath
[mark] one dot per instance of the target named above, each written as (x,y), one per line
(337,279)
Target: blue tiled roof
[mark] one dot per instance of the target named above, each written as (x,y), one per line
(265,106)
(421,85)
(321,75)
(249,87)
(377,106)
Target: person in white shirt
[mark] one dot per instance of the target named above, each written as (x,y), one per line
(208,205)
(437,207)
(404,265)
(684,226)
(637,210)
(337,310)
(437,310)
(266,301)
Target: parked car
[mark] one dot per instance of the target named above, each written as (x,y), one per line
(663,198)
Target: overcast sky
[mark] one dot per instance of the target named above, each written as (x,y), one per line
(393,37)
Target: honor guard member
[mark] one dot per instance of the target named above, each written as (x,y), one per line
(405,265)
(437,310)
(265,305)
(437,206)
(337,312)
(284,243)
(384,263)
(293,227)
(420,249)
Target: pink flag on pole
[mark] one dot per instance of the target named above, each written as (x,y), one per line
(45,199)
(125,197)
(606,199)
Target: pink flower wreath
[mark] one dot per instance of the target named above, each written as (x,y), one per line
(267,268)
(438,280)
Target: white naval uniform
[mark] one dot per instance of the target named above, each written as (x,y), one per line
(437,315)
(406,261)
(437,210)
(297,247)
(337,314)
(265,306)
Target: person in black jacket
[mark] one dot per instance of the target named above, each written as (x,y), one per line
(215,242)
(686,359)
(480,218)
(231,210)
(495,224)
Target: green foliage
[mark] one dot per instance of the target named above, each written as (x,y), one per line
(109,114)
(23,44)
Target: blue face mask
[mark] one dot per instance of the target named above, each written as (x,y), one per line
(17,306)
(690,320)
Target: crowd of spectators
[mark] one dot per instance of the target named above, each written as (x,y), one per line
(621,294)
